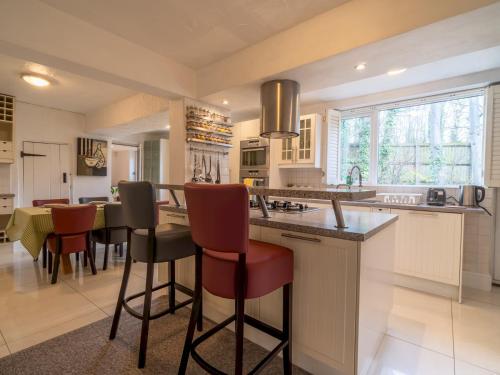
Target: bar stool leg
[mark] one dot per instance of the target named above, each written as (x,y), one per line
(121,249)
(146,314)
(44,254)
(106,254)
(91,256)
(240,313)
(171,288)
(57,260)
(121,295)
(49,266)
(194,313)
(77,257)
(287,328)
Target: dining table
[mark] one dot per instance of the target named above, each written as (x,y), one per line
(32,225)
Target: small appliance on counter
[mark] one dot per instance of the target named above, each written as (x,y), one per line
(436,197)
(471,195)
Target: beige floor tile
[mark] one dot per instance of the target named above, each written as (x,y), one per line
(492,297)
(4,351)
(37,308)
(103,288)
(423,320)
(464,368)
(396,357)
(476,328)
(58,330)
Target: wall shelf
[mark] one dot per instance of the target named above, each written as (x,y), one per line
(205,130)
(208,142)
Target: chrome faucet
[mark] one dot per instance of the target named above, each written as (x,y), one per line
(349,177)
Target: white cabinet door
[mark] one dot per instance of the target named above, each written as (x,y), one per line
(305,150)
(492,154)
(324,302)
(429,245)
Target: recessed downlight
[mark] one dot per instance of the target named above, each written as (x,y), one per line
(35,80)
(225,102)
(394,72)
(360,66)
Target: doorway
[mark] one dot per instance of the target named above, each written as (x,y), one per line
(124,163)
(46,171)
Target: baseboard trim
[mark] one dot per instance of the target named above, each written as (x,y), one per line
(476,280)
(427,286)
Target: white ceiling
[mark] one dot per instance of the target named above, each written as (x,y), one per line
(69,92)
(194,32)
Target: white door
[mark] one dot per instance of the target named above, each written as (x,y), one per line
(46,171)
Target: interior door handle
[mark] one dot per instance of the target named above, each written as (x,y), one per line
(23,154)
(65,177)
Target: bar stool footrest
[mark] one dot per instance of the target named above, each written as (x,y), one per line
(159,314)
(271,331)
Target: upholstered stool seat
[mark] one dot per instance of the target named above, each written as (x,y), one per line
(173,241)
(268,267)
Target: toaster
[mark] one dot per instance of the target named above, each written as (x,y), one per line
(436,197)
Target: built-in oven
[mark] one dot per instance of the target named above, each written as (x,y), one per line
(254,154)
(255,177)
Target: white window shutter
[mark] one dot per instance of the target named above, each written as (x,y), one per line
(492,155)
(332,153)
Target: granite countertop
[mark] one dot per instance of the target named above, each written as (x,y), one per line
(362,225)
(306,193)
(7,195)
(417,207)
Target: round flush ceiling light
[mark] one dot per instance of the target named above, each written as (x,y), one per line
(225,102)
(360,66)
(394,72)
(35,80)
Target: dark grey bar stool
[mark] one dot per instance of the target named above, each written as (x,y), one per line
(150,244)
(114,232)
(84,200)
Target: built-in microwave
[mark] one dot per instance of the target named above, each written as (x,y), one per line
(254,154)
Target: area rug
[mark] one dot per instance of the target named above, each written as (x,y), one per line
(88,351)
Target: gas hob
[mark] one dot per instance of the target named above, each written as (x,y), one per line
(285,207)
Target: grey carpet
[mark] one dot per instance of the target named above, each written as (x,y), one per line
(88,351)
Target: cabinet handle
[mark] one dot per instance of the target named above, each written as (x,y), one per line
(177,216)
(303,238)
(424,213)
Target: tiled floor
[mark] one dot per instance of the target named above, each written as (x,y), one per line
(427,334)
(32,310)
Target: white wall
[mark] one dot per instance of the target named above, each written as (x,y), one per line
(41,124)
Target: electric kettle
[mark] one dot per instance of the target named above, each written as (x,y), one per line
(471,195)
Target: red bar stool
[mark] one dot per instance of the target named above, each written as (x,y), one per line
(229,265)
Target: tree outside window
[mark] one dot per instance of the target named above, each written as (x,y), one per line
(432,144)
(355,146)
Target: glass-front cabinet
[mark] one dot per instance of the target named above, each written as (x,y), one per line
(304,150)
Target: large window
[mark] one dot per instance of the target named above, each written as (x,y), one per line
(354,146)
(431,141)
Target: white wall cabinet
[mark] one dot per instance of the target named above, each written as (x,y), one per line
(429,245)
(303,151)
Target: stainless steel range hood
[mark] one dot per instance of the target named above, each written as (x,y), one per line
(280,109)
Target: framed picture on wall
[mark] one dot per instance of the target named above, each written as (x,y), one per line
(91,157)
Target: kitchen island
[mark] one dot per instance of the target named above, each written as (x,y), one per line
(343,280)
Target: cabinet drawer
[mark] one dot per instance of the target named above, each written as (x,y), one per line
(6,155)
(6,202)
(6,145)
(173,218)
(5,210)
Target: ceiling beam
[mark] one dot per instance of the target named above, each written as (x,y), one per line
(37,32)
(349,26)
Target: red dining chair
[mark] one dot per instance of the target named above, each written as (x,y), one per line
(72,227)
(42,202)
(230,265)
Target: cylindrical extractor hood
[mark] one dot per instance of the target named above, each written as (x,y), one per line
(280,109)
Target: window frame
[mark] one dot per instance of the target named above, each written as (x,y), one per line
(373,112)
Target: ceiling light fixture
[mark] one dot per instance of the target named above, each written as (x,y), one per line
(394,72)
(360,66)
(35,80)
(225,102)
